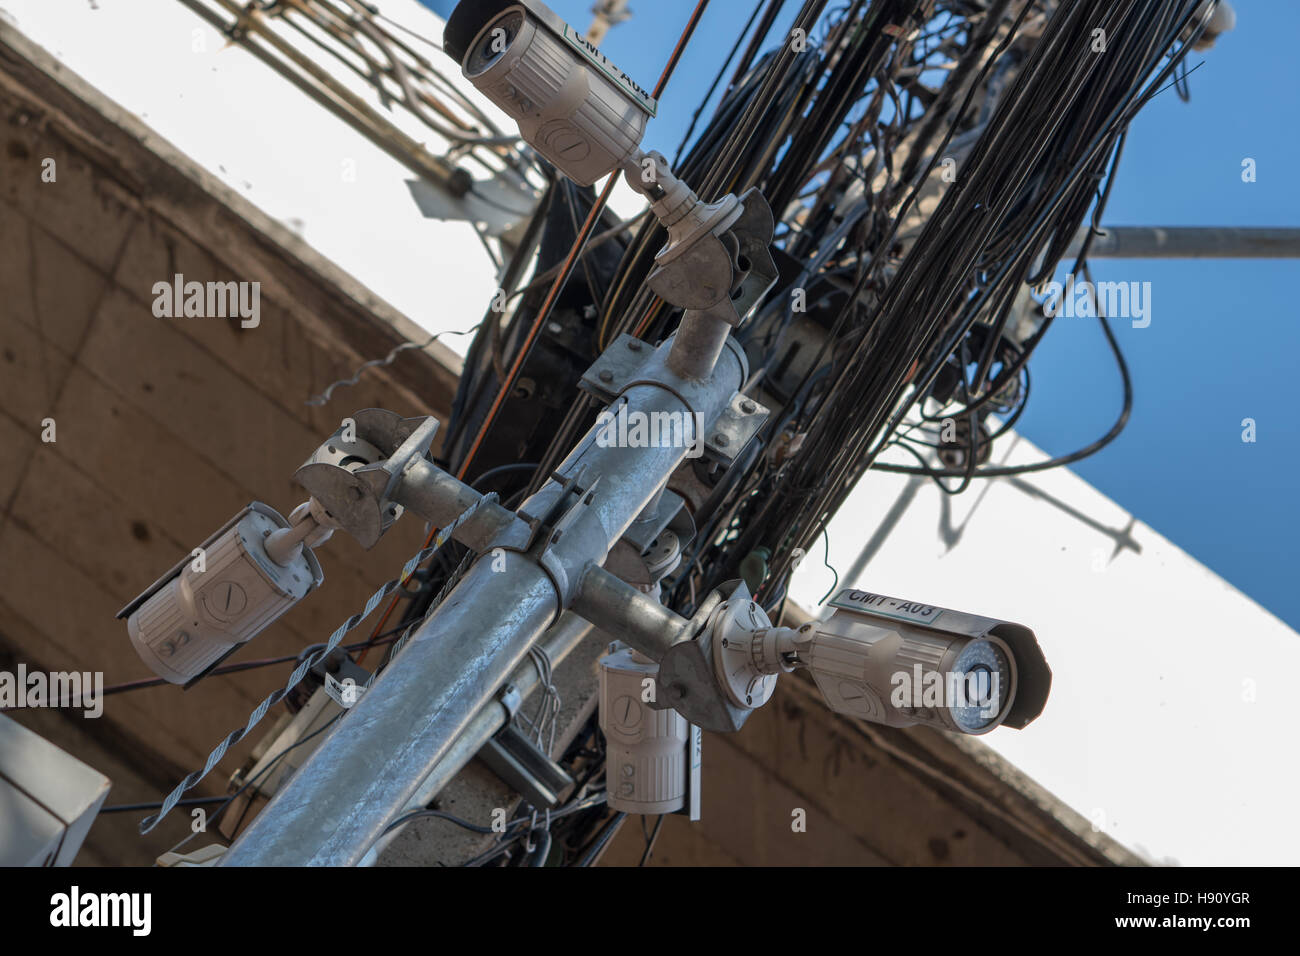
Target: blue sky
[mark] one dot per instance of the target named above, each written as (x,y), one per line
(1224,340)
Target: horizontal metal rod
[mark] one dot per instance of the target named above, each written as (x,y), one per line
(1193,242)
(428,491)
(627,614)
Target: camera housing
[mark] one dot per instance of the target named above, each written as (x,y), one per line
(572,104)
(213,601)
(653,754)
(899,663)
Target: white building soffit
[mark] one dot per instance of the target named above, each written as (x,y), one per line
(1171,689)
(351,189)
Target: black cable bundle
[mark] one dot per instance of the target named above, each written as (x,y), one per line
(1012,213)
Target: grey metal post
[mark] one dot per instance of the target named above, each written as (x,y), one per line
(627,614)
(1193,242)
(366,771)
(558,642)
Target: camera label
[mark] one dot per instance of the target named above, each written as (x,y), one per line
(883,606)
(603,63)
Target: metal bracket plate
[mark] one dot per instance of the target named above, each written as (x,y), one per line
(686,672)
(735,427)
(620,365)
(517,761)
(615,367)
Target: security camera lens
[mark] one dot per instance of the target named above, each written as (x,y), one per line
(494,41)
(981,682)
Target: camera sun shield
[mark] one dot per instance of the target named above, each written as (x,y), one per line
(572,104)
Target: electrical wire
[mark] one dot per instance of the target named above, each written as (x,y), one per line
(324,397)
(905,314)
(602,839)
(1061,460)
(651,840)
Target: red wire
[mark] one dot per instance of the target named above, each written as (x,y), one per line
(557,286)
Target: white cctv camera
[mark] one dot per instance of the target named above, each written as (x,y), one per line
(900,663)
(226,592)
(574,106)
(653,755)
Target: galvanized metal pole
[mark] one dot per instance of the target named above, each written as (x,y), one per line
(558,642)
(366,771)
(372,765)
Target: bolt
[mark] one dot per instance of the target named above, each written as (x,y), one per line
(554,328)
(748,407)
(606,376)
(720,440)
(634,345)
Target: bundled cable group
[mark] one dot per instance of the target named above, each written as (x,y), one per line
(916,236)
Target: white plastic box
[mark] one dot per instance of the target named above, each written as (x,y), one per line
(48,799)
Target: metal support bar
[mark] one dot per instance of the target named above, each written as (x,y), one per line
(366,771)
(428,491)
(524,768)
(698,344)
(627,614)
(558,642)
(1193,242)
